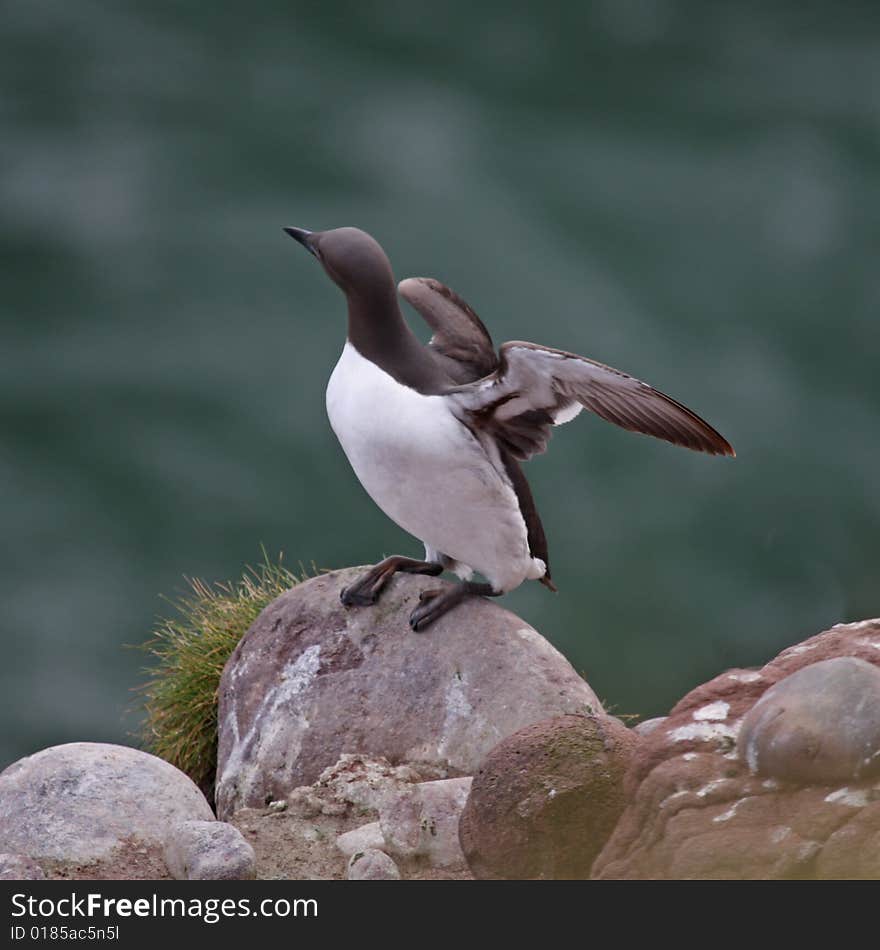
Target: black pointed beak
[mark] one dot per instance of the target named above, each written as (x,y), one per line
(301,235)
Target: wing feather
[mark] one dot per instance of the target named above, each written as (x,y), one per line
(459,334)
(536,387)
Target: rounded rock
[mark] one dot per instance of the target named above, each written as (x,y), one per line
(208,851)
(547,798)
(312,680)
(372,865)
(818,725)
(79,802)
(422,821)
(366,838)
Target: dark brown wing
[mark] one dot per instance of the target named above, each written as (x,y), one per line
(536,388)
(534,527)
(459,334)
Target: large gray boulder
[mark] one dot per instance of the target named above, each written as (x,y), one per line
(312,680)
(84,802)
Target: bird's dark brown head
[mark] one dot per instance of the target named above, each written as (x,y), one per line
(353,260)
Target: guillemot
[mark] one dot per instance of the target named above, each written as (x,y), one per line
(435,432)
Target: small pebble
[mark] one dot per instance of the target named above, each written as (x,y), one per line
(372,865)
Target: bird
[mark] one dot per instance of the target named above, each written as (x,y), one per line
(436,432)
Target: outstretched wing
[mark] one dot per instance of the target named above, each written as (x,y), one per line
(459,334)
(536,388)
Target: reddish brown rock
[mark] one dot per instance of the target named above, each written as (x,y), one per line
(697,810)
(312,680)
(546,798)
(649,725)
(853,851)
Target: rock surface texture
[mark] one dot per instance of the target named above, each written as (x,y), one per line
(16,867)
(83,803)
(546,799)
(312,680)
(769,773)
(361,783)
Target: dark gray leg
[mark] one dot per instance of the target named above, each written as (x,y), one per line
(438,601)
(366,589)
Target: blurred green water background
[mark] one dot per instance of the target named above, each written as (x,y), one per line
(688,191)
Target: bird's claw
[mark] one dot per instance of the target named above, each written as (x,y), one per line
(418,621)
(426,613)
(352,597)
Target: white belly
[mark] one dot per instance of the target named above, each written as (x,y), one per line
(426,471)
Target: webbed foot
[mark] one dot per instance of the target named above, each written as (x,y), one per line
(367,588)
(437,601)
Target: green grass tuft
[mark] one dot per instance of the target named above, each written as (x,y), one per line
(189,652)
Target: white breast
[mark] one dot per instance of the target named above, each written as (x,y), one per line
(426,471)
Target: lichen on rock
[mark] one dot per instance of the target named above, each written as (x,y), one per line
(545,800)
